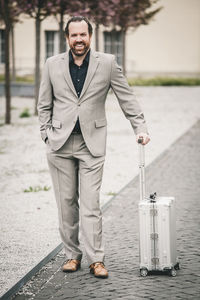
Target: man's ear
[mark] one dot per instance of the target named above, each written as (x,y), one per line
(67,38)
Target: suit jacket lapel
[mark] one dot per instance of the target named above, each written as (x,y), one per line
(93,64)
(66,72)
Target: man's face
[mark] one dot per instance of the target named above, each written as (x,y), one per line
(79,39)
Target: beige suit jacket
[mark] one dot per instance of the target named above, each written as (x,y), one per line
(59,106)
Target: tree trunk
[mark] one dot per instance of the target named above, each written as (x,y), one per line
(37,59)
(124,51)
(7,65)
(61,34)
(13,54)
(97,37)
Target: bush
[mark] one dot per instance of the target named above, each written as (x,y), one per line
(25,113)
(164,81)
(27,78)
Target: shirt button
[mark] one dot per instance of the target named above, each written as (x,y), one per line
(78,80)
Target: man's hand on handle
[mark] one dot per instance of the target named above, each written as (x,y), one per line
(144,136)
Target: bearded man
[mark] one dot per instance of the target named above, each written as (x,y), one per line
(73,125)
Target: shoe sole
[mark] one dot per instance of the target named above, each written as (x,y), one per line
(102,276)
(98,276)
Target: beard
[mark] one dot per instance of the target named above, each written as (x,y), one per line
(79,52)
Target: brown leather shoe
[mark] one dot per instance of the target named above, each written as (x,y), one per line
(99,270)
(72,265)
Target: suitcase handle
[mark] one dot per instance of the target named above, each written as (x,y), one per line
(141,168)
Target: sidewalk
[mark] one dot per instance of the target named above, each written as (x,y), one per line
(176,172)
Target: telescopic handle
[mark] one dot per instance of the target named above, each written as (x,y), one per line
(141,169)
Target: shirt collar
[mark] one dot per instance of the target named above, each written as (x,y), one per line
(86,59)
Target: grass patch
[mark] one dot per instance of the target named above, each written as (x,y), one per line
(164,81)
(25,113)
(155,81)
(36,189)
(111,194)
(1,77)
(27,78)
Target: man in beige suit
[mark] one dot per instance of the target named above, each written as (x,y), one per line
(73,124)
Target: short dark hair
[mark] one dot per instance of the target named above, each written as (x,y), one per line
(78,19)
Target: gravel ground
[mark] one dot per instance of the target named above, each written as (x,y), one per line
(29,219)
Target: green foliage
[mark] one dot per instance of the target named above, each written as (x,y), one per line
(22,79)
(36,189)
(25,113)
(111,193)
(27,78)
(156,81)
(164,81)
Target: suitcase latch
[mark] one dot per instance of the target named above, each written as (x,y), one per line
(154,236)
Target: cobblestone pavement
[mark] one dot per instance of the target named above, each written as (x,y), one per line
(176,172)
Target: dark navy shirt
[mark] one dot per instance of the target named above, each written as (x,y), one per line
(78,75)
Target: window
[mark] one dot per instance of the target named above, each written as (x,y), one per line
(2,46)
(52,43)
(113,43)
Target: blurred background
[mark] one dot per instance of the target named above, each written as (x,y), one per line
(169,45)
(157,43)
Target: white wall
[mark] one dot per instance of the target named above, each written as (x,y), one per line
(25,43)
(171,43)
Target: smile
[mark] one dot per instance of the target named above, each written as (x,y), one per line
(79,46)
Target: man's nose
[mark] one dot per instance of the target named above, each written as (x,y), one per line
(78,38)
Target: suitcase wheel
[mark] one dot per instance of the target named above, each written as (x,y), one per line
(143,272)
(172,272)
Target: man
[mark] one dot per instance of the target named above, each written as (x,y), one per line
(72,118)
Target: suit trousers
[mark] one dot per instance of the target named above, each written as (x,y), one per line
(75,172)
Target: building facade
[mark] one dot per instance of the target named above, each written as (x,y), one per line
(169,45)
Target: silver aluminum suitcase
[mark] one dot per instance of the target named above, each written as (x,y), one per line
(157,229)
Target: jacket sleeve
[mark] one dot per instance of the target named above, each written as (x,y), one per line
(45,102)
(126,98)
